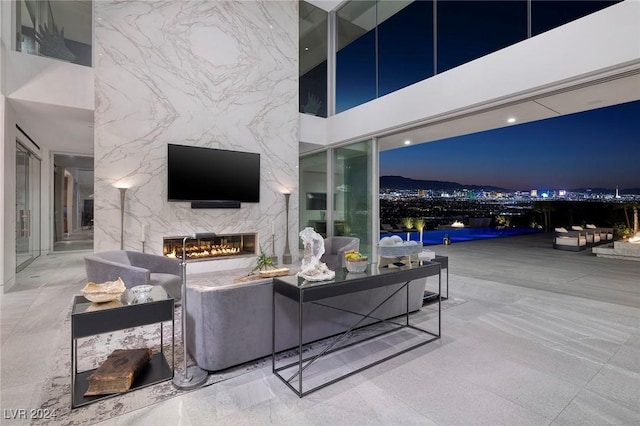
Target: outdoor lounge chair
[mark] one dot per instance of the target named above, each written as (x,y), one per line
(606,234)
(593,235)
(569,240)
(388,228)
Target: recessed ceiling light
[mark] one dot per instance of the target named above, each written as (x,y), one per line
(306,48)
(511,120)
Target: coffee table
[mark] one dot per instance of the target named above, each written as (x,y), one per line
(90,319)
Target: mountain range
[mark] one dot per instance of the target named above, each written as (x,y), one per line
(400,182)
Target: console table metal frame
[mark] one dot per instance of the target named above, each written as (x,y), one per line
(313,292)
(86,324)
(429,296)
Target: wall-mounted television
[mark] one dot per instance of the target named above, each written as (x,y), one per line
(210,178)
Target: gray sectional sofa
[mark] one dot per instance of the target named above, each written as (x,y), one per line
(230,324)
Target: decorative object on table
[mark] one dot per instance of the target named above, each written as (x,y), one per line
(141,293)
(356,262)
(286,256)
(426,254)
(446,240)
(266,267)
(122,194)
(117,373)
(394,251)
(193,376)
(105,292)
(312,269)
(395,247)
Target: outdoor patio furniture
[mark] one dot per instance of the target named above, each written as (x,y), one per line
(606,234)
(571,240)
(593,235)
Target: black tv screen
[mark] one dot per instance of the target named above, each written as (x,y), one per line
(207,174)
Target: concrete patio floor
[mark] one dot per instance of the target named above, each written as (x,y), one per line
(544,337)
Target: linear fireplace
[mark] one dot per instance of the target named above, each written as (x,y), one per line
(218,247)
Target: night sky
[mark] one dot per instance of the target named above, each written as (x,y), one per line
(593,149)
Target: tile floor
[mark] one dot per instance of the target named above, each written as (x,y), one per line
(545,338)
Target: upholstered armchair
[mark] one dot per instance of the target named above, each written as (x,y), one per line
(135,268)
(335,248)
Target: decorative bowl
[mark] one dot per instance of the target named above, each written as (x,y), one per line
(104,292)
(141,292)
(359,265)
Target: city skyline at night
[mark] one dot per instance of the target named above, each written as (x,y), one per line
(591,149)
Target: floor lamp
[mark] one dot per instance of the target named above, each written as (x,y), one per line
(286,256)
(122,192)
(193,376)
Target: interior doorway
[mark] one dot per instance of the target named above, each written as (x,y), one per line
(72,202)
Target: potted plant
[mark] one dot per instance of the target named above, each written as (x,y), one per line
(266,267)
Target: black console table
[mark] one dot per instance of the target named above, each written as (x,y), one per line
(90,319)
(304,292)
(430,296)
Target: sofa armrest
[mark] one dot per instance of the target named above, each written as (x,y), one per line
(100,270)
(155,263)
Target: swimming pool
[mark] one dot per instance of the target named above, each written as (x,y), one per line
(463,234)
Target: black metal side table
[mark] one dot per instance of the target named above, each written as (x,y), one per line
(90,319)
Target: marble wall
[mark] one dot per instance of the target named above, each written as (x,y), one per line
(218,74)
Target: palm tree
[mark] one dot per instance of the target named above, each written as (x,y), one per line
(544,209)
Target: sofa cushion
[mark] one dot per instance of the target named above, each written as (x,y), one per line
(561,230)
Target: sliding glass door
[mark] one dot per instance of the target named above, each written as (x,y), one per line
(353,189)
(27,207)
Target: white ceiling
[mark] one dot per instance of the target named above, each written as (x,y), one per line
(65,129)
(600,94)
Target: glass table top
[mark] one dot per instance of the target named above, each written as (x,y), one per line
(128,298)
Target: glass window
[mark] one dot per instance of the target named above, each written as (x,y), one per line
(405,43)
(353,168)
(313,60)
(546,15)
(60,29)
(313,192)
(356,54)
(468,30)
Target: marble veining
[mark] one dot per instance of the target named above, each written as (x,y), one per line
(212,74)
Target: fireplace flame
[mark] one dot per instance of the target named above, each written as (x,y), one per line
(203,251)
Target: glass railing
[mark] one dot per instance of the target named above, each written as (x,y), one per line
(385,45)
(60,29)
